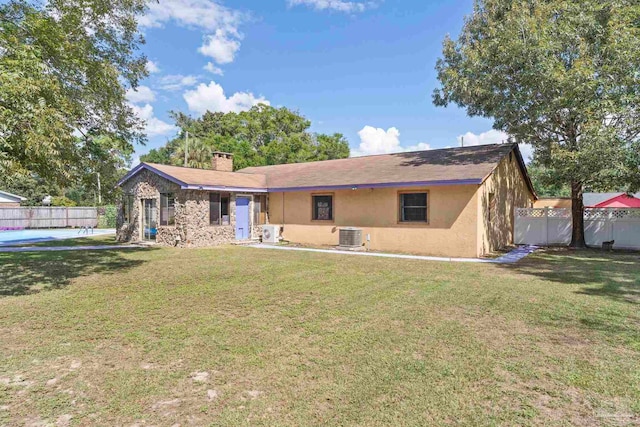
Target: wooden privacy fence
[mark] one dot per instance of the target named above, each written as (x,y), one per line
(48,217)
(548,226)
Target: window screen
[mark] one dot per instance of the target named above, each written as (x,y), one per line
(259,210)
(167,209)
(127,206)
(214,208)
(413,207)
(322,208)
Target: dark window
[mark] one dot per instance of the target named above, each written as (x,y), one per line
(127,207)
(413,207)
(224,209)
(322,208)
(167,209)
(214,208)
(259,210)
(219,209)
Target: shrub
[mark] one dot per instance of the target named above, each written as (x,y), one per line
(107,216)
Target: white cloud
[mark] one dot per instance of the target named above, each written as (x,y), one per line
(380,141)
(211,67)
(211,97)
(219,24)
(154,126)
(490,137)
(494,137)
(221,46)
(174,82)
(336,5)
(140,95)
(152,67)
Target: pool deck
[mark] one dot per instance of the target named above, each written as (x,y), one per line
(62,234)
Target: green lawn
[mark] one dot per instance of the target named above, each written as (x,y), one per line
(241,336)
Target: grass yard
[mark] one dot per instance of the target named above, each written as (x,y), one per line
(241,336)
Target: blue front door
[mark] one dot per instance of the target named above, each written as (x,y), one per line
(242,218)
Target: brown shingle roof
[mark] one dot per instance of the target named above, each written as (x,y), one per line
(454,164)
(464,165)
(209,178)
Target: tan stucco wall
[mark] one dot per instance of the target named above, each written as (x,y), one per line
(451,230)
(9,204)
(510,190)
(553,203)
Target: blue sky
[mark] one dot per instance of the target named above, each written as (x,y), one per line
(361,68)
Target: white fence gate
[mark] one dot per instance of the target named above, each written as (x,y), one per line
(549,226)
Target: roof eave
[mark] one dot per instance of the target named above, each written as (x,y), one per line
(150,168)
(377,185)
(224,188)
(6,193)
(523,168)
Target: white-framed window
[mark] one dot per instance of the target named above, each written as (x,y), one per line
(167,209)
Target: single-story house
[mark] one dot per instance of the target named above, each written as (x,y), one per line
(456,202)
(8,200)
(593,200)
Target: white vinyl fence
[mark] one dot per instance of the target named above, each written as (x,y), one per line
(48,217)
(549,226)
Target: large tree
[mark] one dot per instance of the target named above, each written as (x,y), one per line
(263,135)
(562,75)
(64,69)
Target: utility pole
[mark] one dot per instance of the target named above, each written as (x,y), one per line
(99,191)
(186,149)
(462,140)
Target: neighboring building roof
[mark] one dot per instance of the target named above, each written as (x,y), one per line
(11,197)
(205,179)
(451,166)
(463,165)
(592,200)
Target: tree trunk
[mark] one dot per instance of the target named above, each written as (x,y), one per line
(577,216)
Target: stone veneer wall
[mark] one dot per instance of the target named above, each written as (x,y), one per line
(145,185)
(191,214)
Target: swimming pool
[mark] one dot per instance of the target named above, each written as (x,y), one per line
(20,237)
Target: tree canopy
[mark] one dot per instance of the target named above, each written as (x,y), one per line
(561,75)
(263,135)
(64,68)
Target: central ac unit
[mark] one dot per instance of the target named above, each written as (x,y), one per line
(350,237)
(270,233)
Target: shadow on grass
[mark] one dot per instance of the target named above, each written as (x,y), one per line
(614,275)
(611,275)
(23,273)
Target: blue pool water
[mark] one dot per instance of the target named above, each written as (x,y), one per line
(21,237)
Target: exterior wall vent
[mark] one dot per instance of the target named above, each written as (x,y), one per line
(351,237)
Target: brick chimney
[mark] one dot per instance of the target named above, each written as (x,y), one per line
(222,161)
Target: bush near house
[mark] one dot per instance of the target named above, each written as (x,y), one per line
(107,216)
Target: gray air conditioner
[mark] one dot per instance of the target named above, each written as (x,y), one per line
(350,237)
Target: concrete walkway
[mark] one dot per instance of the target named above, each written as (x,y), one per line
(65,248)
(510,258)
